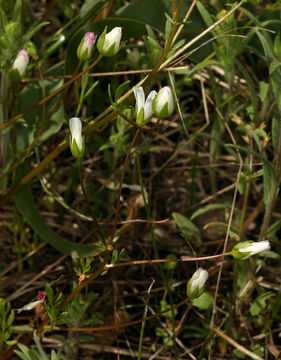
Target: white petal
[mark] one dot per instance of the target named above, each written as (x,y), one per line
(148,104)
(114,36)
(139,95)
(256,247)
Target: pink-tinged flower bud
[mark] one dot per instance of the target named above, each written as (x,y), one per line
(163,105)
(21,62)
(109,43)
(144,107)
(77,144)
(246,249)
(86,46)
(196,284)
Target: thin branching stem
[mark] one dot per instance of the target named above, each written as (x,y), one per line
(80,169)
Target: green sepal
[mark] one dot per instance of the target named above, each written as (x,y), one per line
(163,113)
(84,56)
(101,40)
(140,118)
(195,293)
(235,252)
(15,76)
(74,149)
(110,51)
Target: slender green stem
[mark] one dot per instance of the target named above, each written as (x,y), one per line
(3,118)
(119,191)
(88,202)
(143,323)
(156,255)
(169,43)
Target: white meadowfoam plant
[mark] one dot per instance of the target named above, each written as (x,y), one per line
(163,104)
(109,43)
(196,285)
(246,249)
(144,110)
(77,143)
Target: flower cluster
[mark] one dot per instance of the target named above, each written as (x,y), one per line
(108,44)
(161,104)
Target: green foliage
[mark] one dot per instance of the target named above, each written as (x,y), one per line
(259,304)
(37,353)
(7,317)
(204,301)
(189,230)
(216,160)
(52,307)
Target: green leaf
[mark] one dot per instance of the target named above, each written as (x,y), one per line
(30,95)
(260,303)
(273,228)
(188,229)
(207,208)
(276,133)
(170,265)
(28,209)
(22,329)
(204,13)
(264,88)
(204,301)
(10,319)
(268,183)
(239,354)
(121,89)
(17,11)
(49,292)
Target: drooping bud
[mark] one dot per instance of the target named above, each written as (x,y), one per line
(77,144)
(86,46)
(244,250)
(163,105)
(109,43)
(144,107)
(196,284)
(21,62)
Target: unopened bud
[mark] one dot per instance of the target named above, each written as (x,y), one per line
(163,104)
(246,249)
(77,144)
(21,62)
(86,46)
(196,284)
(109,43)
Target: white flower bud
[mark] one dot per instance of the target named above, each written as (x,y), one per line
(163,105)
(196,284)
(21,62)
(77,145)
(246,249)
(109,43)
(144,107)
(86,46)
